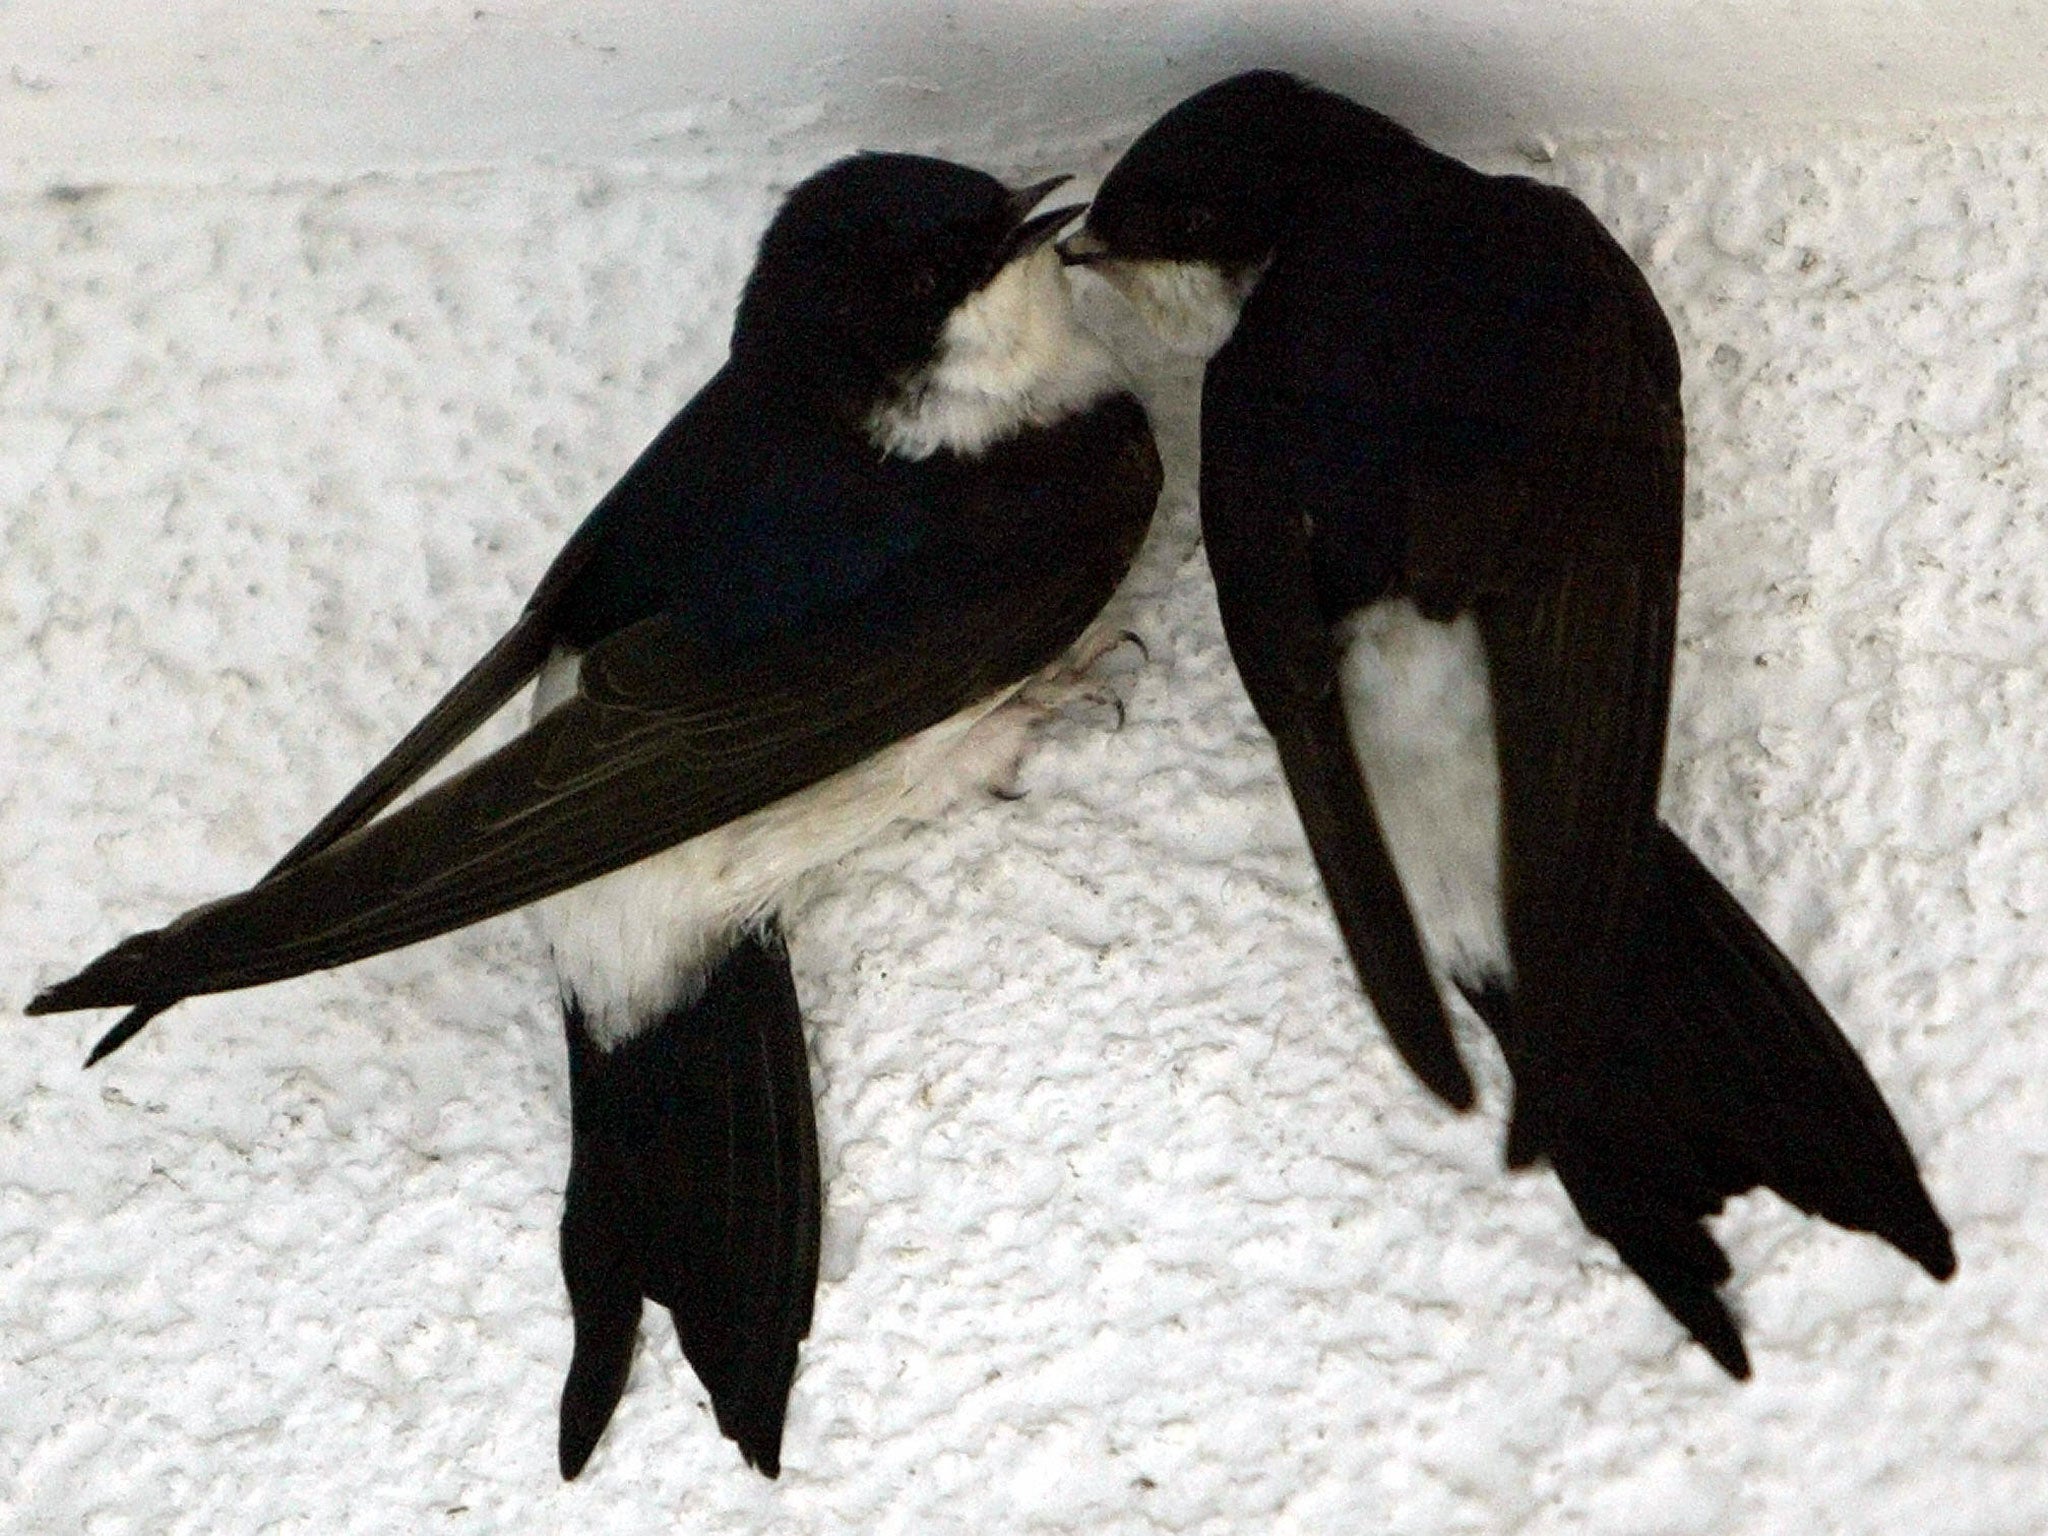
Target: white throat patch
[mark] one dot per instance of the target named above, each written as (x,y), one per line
(1012,356)
(1192,306)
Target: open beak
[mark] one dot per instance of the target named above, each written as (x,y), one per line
(1083,248)
(1033,230)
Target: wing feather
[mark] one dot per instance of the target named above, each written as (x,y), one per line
(664,742)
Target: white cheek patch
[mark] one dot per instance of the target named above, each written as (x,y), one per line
(1421,718)
(1192,306)
(1012,356)
(634,945)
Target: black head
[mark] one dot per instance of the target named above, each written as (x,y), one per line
(1219,177)
(865,261)
(1207,182)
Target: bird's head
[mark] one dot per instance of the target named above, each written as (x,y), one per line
(1189,217)
(896,282)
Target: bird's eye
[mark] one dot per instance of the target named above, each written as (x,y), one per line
(1197,219)
(924,282)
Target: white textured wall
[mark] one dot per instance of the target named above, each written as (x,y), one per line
(191,87)
(1133,1223)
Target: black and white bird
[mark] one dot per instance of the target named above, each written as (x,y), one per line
(810,610)
(1441,489)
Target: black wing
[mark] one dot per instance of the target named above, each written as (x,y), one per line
(1257,528)
(506,668)
(662,743)
(1665,1054)
(1474,405)
(1578,611)
(1543,490)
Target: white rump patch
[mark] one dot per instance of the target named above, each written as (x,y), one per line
(633,945)
(1011,356)
(1421,718)
(1192,306)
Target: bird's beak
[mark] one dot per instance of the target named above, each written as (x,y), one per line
(1024,199)
(1033,230)
(1083,248)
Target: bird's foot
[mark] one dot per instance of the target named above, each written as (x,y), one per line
(1083,683)
(1089,680)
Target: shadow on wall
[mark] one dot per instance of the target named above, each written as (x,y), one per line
(998,84)
(1470,76)
(342,90)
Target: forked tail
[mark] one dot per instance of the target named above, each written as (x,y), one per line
(693,1182)
(1735,1077)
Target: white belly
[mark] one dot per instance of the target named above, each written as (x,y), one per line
(1421,718)
(633,945)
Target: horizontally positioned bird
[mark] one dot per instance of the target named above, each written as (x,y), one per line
(810,610)
(1441,490)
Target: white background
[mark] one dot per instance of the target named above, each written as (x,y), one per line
(321,327)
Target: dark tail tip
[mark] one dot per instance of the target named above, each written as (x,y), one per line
(604,1300)
(1431,1052)
(574,1445)
(1928,1244)
(1775,1086)
(754,1424)
(1901,1212)
(597,1379)
(130,1026)
(1706,1317)
(1421,1032)
(1941,1262)
(124,975)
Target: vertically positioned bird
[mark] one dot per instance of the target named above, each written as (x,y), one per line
(1441,490)
(810,610)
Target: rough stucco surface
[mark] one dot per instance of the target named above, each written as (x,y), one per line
(1134,1224)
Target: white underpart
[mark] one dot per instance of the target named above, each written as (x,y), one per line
(1012,356)
(635,944)
(1192,306)
(1421,717)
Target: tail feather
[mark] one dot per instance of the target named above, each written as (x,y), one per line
(1796,1112)
(1733,1077)
(603,1275)
(694,1182)
(131,1024)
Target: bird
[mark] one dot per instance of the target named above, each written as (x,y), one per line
(834,593)
(1442,461)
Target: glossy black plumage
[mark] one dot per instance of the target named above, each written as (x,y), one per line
(772,594)
(1457,390)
